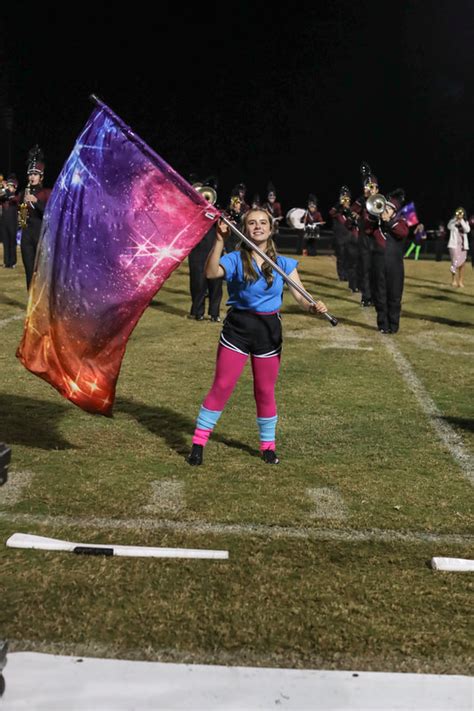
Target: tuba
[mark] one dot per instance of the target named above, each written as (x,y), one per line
(375,204)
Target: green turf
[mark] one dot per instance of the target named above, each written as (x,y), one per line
(349,424)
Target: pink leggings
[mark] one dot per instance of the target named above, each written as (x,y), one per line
(229,366)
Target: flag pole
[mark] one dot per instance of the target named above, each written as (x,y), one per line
(332,319)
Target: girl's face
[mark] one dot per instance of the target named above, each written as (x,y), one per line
(34,178)
(258,227)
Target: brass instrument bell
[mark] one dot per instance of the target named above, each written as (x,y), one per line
(376,204)
(207,192)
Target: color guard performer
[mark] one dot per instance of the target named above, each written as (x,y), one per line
(252,328)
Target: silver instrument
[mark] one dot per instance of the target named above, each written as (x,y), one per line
(376,204)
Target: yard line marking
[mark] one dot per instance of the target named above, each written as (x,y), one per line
(348,535)
(328,504)
(448,436)
(343,337)
(6,321)
(12,492)
(167,495)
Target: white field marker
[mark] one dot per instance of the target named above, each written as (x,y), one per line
(166,495)
(6,321)
(328,504)
(26,540)
(461,565)
(12,492)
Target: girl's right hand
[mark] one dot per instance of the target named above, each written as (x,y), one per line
(222,231)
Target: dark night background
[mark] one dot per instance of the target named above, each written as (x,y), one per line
(298,95)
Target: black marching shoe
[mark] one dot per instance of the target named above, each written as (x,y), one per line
(216,319)
(366,302)
(269,456)
(195,455)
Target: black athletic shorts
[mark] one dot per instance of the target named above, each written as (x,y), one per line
(252,333)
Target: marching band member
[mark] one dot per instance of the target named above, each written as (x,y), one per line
(341,222)
(240,191)
(311,219)
(273,207)
(32,203)
(365,242)
(440,241)
(252,328)
(9,221)
(458,245)
(199,286)
(389,231)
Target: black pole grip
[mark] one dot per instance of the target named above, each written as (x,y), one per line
(332,319)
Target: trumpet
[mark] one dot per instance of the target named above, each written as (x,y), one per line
(376,204)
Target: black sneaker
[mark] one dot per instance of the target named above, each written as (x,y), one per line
(269,456)
(195,455)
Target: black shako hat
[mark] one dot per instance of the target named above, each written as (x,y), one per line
(396,198)
(35,160)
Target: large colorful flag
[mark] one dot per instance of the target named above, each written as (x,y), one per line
(118,222)
(409,213)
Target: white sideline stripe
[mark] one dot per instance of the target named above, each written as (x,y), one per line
(448,436)
(328,504)
(167,495)
(55,683)
(220,656)
(6,321)
(348,535)
(12,491)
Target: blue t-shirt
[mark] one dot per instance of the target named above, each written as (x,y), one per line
(254,295)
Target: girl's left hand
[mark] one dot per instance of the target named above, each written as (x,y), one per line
(318,308)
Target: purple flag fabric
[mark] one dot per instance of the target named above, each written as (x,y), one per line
(118,222)
(409,213)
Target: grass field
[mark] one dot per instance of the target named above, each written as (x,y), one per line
(328,552)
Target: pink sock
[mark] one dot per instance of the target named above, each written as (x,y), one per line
(201,436)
